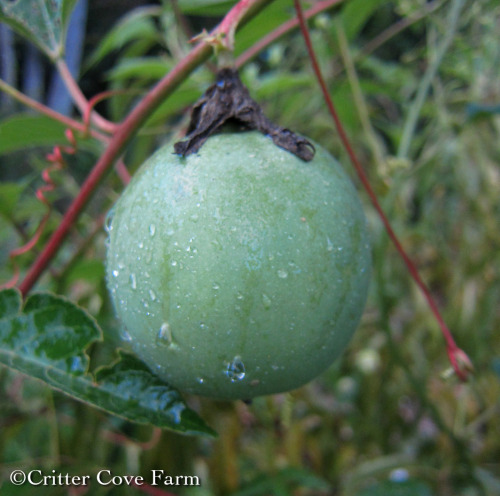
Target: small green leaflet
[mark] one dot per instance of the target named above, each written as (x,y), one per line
(21,131)
(43,22)
(47,338)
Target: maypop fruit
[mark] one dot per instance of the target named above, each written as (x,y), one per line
(239,271)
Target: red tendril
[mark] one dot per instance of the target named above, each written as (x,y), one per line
(56,162)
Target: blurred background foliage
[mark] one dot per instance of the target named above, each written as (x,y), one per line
(419,93)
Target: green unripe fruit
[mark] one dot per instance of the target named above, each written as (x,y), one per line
(239,271)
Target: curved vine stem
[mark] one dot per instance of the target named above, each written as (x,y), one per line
(458,358)
(238,15)
(80,100)
(43,109)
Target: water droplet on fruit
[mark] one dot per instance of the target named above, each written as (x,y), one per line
(216,286)
(164,336)
(115,273)
(266,301)
(133,281)
(282,274)
(329,244)
(200,380)
(152,295)
(236,369)
(125,336)
(152,229)
(108,222)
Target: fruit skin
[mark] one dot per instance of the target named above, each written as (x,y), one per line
(239,271)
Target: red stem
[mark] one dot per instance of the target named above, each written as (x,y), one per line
(244,9)
(79,98)
(40,107)
(457,357)
(249,54)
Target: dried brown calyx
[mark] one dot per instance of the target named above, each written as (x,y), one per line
(228,100)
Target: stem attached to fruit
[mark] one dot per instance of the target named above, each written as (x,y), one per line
(229,100)
(240,13)
(458,358)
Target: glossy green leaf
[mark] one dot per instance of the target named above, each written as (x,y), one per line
(43,22)
(23,131)
(49,335)
(10,194)
(10,303)
(356,13)
(47,339)
(137,25)
(134,392)
(205,7)
(140,68)
(270,18)
(280,83)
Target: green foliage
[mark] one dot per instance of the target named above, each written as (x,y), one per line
(282,483)
(397,488)
(43,22)
(206,7)
(387,404)
(23,131)
(48,339)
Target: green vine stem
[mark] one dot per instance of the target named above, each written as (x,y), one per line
(423,89)
(242,12)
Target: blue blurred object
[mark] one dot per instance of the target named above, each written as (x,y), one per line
(58,97)
(29,73)
(7,64)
